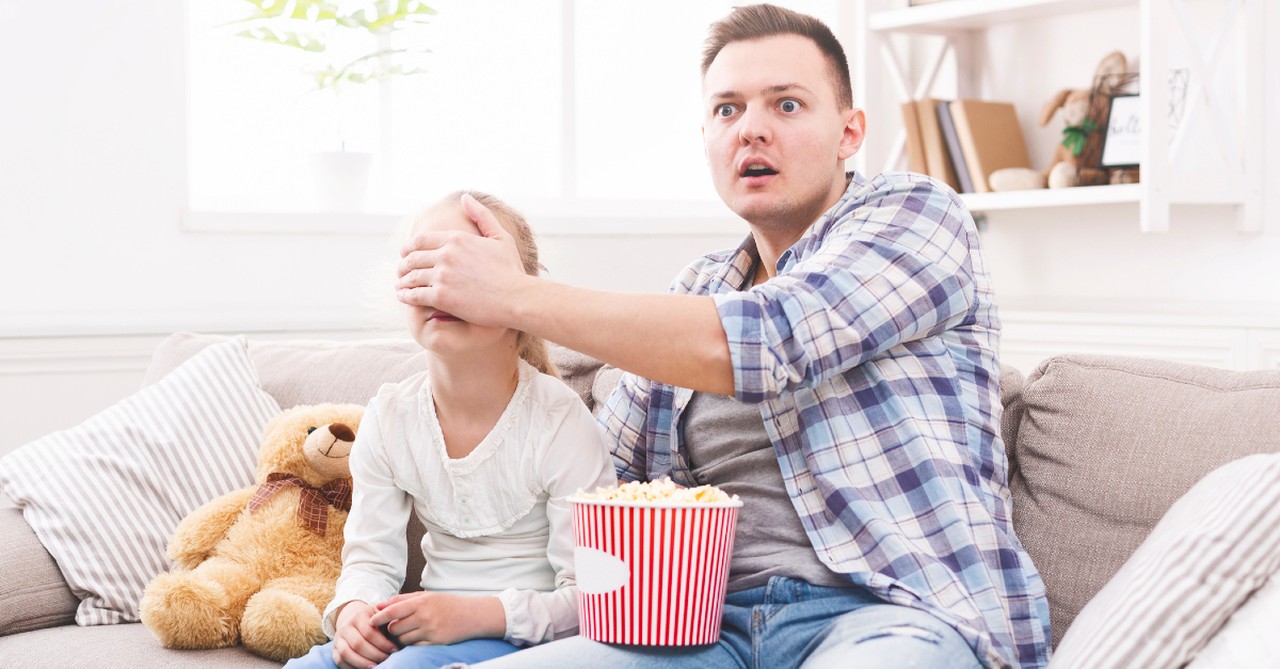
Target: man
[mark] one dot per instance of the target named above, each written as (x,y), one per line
(855,336)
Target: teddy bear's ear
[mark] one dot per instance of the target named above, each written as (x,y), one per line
(1112,64)
(1046,114)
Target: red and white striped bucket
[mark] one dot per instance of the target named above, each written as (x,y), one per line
(652,573)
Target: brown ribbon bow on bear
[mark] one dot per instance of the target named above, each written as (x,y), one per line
(313,503)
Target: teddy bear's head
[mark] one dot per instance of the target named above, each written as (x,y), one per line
(312,442)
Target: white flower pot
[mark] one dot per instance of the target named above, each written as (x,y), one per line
(341,179)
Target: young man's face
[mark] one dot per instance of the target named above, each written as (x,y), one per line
(774,133)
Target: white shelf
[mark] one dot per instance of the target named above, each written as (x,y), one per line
(1053,197)
(1172,173)
(953,15)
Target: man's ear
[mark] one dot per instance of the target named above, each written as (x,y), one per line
(855,129)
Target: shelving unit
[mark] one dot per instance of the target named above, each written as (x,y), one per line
(1053,197)
(1169,177)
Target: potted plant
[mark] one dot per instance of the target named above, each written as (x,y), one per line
(346,44)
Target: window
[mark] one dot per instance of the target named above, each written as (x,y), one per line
(497,109)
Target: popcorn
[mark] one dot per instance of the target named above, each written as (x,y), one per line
(663,490)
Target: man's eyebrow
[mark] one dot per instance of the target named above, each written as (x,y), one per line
(769,90)
(785,88)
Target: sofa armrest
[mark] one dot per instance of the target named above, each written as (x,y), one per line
(33,594)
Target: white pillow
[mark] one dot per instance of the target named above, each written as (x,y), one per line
(105,496)
(1249,638)
(1218,544)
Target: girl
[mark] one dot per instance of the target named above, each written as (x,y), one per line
(485,446)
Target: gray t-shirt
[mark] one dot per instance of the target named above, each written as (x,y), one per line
(726,445)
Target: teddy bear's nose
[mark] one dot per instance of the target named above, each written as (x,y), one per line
(342,432)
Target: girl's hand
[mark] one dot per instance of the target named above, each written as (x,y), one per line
(358,644)
(439,618)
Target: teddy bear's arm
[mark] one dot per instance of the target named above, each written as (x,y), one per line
(197,534)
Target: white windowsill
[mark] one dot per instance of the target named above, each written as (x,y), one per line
(578,219)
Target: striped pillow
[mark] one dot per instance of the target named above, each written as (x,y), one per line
(1218,544)
(104,497)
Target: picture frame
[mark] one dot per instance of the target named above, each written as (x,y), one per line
(1105,87)
(1122,132)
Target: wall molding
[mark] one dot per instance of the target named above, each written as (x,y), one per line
(93,355)
(1247,340)
(123,323)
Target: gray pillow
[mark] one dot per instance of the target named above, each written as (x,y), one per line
(1103,447)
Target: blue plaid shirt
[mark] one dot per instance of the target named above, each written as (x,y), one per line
(872,356)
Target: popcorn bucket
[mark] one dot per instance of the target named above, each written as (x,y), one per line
(652,573)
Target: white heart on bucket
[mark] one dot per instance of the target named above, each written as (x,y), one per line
(599,572)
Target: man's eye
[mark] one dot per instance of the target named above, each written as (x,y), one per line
(789,106)
(724,110)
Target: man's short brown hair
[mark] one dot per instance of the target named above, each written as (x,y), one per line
(759,21)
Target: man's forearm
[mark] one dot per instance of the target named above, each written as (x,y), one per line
(675,339)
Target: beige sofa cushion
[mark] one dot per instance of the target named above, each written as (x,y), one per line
(31,587)
(126,646)
(1102,446)
(306,371)
(315,371)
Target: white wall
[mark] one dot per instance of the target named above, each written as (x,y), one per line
(92,193)
(92,190)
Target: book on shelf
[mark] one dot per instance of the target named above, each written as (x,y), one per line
(990,139)
(937,162)
(915,147)
(952,140)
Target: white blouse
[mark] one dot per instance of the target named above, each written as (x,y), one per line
(498,520)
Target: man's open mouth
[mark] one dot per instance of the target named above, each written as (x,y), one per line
(758,170)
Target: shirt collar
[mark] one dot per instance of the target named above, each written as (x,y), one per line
(738,272)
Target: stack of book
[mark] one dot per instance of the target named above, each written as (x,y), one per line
(961,142)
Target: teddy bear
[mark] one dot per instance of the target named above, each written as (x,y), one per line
(1075,103)
(259,565)
(1064,167)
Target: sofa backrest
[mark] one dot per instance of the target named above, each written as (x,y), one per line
(1101,446)
(297,371)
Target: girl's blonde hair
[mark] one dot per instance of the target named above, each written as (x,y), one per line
(529,347)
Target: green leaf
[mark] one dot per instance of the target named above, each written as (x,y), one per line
(290,39)
(387,15)
(375,67)
(309,10)
(1074,136)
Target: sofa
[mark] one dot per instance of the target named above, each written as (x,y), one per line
(1100,448)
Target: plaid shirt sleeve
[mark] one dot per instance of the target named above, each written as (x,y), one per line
(884,271)
(624,419)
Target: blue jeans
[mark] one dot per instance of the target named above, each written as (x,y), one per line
(787,623)
(414,657)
